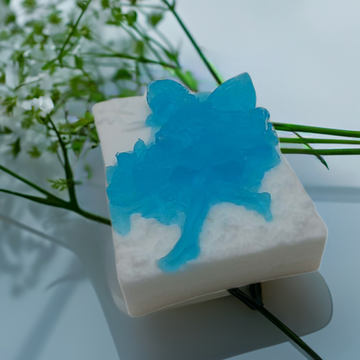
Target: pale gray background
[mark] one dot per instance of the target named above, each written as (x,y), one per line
(304,59)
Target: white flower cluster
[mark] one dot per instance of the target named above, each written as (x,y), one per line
(44,103)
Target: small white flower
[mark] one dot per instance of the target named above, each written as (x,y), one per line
(35,103)
(27,104)
(44,103)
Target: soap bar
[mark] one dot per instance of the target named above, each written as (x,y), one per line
(201,199)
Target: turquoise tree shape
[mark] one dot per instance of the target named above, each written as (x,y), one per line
(209,148)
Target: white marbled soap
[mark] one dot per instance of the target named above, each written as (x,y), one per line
(238,247)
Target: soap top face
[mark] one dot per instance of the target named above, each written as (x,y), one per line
(208,149)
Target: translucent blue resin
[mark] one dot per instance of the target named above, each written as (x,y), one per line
(209,148)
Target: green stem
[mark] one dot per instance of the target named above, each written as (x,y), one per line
(73,31)
(56,202)
(323,152)
(24,84)
(318,141)
(59,203)
(315,130)
(144,6)
(321,159)
(67,166)
(94,217)
(176,71)
(256,305)
(192,40)
(27,182)
(140,59)
(148,43)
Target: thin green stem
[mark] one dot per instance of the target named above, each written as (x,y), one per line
(194,43)
(164,39)
(140,59)
(176,71)
(53,201)
(27,182)
(67,165)
(148,41)
(60,56)
(28,83)
(144,6)
(94,217)
(321,159)
(59,203)
(315,130)
(105,47)
(324,152)
(254,304)
(318,141)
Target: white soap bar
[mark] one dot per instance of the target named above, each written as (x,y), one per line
(238,247)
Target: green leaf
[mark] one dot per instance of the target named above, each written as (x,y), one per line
(4,35)
(105,4)
(55,95)
(54,17)
(97,96)
(96,14)
(34,152)
(186,77)
(27,122)
(35,92)
(62,184)
(38,27)
(94,137)
(85,31)
(79,63)
(82,122)
(2,77)
(5,130)
(10,18)
(123,74)
(131,17)
(155,18)
(128,93)
(89,116)
(49,65)
(29,40)
(9,103)
(117,14)
(190,80)
(53,147)
(29,5)
(77,145)
(81,4)
(139,47)
(15,148)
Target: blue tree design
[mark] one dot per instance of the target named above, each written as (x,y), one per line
(209,148)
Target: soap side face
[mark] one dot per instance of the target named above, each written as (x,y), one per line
(206,151)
